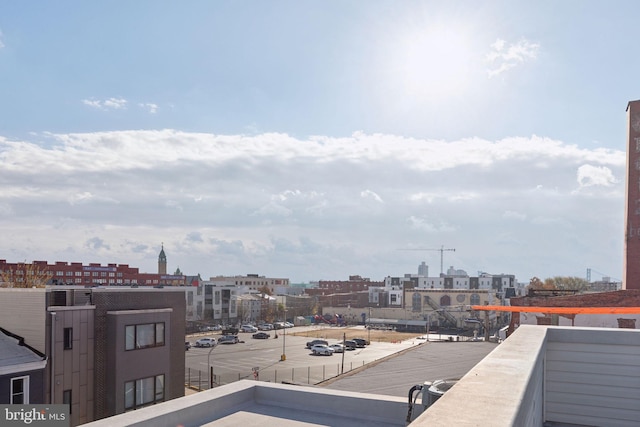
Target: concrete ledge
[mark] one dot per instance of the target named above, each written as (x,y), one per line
(249,403)
(495,391)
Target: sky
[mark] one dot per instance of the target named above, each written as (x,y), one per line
(317,140)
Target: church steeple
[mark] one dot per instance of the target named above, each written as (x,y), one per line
(162,261)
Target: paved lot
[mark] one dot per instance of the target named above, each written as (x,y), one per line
(238,361)
(381,368)
(427,362)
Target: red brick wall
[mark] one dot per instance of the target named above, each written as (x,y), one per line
(631,256)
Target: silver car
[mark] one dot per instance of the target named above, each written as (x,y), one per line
(322,349)
(206,342)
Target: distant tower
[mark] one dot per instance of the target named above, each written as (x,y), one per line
(631,256)
(423,270)
(162,262)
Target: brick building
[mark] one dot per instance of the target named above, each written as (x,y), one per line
(76,273)
(354,284)
(631,267)
(623,298)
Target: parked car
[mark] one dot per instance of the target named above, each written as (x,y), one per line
(261,335)
(230,330)
(206,342)
(248,328)
(322,349)
(229,339)
(278,325)
(360,342)
(265,327)
(288,325)
(337,348)
(350,345)
(316,342)
(187,346)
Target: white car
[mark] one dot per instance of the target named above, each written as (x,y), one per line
(338,348)
(249,328)
(322,349)
(206,342)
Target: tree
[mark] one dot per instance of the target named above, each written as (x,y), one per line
(25,275)
(559,283)
(536,283)
(569,283)
(265,290)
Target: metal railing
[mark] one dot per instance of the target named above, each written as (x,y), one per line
(198,380)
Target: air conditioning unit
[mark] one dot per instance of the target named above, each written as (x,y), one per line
(432,391)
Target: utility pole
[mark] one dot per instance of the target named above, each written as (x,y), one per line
(442,249)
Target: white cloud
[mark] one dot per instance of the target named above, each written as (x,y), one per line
(107,104)
(243,200)
(92,103)
(504,57)
(514,215)
(368,194)
(589,175)
(115,103)
(151,108)
(423,224)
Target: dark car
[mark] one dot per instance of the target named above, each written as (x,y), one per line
(360,342)
(187,345)
(260,336)
(230,330)
(350,345)
(316,342)
(228,339)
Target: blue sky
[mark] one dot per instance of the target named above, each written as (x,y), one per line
(312,140)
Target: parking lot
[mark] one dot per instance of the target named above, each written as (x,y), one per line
(262,359)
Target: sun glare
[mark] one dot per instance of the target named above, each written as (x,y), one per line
(434,63)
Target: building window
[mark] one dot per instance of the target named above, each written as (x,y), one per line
(143,392)
(20,390)
(415,302)
(144,336)
(66,398)
(475,299)
(68,338)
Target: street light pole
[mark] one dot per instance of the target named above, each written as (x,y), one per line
(369,326)
(284,337)
(209,367)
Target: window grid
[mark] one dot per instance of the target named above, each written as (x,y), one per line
(143,392)
(145,335)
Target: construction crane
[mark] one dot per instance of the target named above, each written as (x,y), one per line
(442,249)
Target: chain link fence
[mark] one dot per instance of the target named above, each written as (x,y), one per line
(199,380)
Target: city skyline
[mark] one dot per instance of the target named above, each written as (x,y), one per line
(317,141)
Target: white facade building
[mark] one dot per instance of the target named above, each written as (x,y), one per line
(254,283)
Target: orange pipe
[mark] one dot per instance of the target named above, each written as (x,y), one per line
(558,310)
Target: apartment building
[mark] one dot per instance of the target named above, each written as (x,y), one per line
(109,350)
